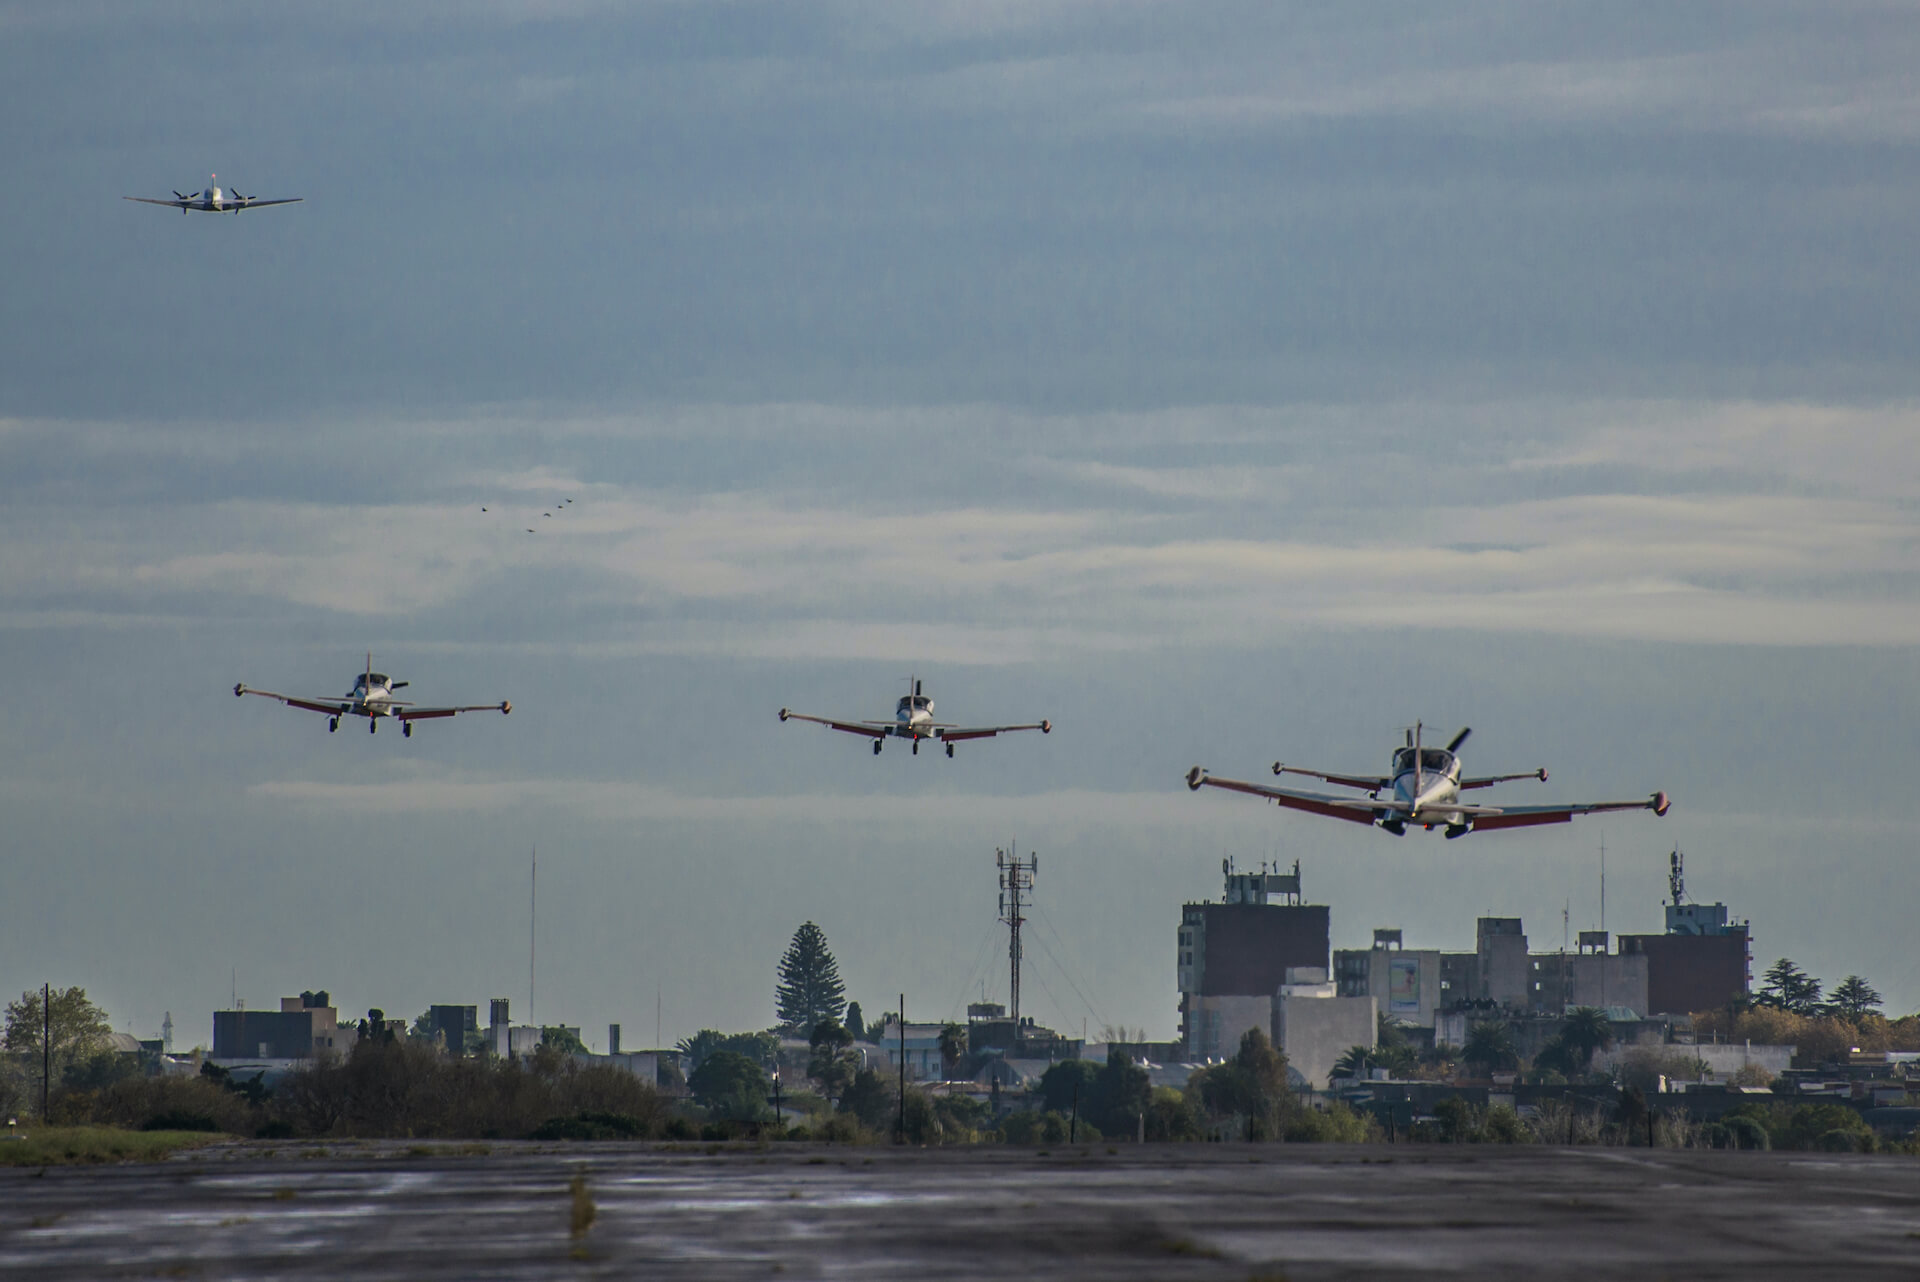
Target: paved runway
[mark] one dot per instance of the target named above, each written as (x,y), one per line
(1216,1211)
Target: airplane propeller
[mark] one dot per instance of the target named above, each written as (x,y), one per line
(1459,738)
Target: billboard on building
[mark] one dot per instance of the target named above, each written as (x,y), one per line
(1403,987)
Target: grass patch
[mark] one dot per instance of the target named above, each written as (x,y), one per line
(92,1145)
(582,1210)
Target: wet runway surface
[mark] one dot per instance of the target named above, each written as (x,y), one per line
(1217,1211)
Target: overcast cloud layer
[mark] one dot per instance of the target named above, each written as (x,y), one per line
(1226,383)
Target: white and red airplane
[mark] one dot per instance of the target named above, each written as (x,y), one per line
(215,201)
(1423,790)
(913,719)
(372,698)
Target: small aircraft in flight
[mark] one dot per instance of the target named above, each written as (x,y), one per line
(1423,790)
(913,719)
(372,698)
(215,201)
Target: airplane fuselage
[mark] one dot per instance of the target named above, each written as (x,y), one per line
(913,719)
(1426,781)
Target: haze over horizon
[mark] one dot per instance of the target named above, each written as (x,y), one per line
(1227,384)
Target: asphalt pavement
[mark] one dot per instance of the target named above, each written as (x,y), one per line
(1301,1212)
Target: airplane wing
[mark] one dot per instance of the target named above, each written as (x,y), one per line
(148,200)
(422,714)
(256,204)
(1356,809)
(956,734)
(1366,810)
(872,729)
(333,707)
(1487,781)
(1371,783)
(1485,818)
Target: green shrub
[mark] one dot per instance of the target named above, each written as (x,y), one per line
(1504,1126)
(1745,1133)
(591,1126)
(1173,1117)
(1843,1140)
(1809,1125)
(179,1122)
(1044,1128)
(1335,1124)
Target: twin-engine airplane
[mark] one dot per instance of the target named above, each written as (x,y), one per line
(1424,789)
(913,719)
(372,698)
(215,201)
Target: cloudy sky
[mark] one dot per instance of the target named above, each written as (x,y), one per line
(1225,382)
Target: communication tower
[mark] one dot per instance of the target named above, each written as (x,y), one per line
(1016,879)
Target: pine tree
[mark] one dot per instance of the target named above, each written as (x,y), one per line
(809,989)
(1791,989)
(1855,997)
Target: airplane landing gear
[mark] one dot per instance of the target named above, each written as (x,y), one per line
(1396,827)
(373,724)
(333,724)
(406,729)
(949,750)
(876,747)
(1458,830)
(916,747)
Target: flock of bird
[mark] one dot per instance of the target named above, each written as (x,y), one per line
(561,506)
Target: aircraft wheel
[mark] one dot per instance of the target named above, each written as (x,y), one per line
(373,724)
(406,729)
(916,747)
(333,724)
(949,750)
(876,747)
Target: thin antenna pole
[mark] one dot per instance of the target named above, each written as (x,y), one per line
(903,1068)
(46,1053)
(1016,877)
(533,925)
(1603,920)
(656,1014)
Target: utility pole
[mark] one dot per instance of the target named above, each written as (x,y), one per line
(903,1068)
(1016,878)
(46,1054)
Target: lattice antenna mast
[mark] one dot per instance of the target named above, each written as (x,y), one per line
(1677,876)
(1016,879)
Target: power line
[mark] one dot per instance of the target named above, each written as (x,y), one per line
(1068,976)
(979,957)
(1047,922)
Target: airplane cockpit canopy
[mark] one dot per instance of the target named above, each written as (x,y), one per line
(375,678)
(1434,760)
(918,702)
